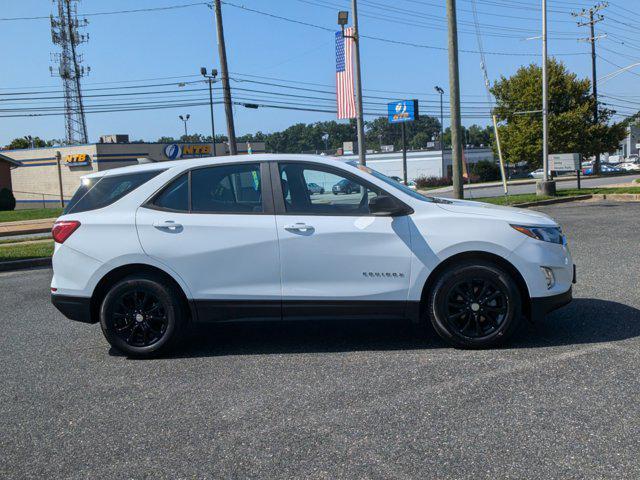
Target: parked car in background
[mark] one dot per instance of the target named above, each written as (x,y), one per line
(345,186)
(539,173)
(410,184)
(606,168)
(315,188)
(517,175)
(630,166)
(587,168)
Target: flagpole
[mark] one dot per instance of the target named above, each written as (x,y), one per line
(359,113)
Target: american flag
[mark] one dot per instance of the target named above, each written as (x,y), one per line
(344,75)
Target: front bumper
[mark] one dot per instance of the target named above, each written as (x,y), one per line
(74,308)
(540,306)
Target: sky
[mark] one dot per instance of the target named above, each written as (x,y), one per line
(165,47)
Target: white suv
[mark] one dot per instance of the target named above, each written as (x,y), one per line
(147,249)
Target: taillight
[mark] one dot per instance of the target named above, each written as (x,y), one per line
(63,230)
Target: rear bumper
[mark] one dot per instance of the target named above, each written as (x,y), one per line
(540,306)
(74,308)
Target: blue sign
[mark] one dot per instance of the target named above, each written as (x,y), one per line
(402,111)
(172,151)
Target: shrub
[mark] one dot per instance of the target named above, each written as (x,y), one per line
(485,171)
(7,200)
(431,182)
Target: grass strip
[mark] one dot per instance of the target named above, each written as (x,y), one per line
(23,252)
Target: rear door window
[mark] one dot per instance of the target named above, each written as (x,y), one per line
(227,189)
(95,193)
(175,196)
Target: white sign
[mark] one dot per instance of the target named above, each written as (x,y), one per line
(564,162)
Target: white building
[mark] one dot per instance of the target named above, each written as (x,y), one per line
(427,163)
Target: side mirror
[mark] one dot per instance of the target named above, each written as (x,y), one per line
(384,205)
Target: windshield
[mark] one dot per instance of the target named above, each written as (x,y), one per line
(390,181)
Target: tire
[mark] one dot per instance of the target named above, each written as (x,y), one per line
(143,316)
(322,191)
(475,304)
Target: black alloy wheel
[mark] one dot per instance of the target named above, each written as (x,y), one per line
(476,308)
(139,318)
(475,304)
(143,316)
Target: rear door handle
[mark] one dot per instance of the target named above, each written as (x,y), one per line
(168,224)
(298,227)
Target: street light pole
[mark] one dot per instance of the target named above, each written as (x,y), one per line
(545,187)
(211,79)
(441,92)
(185,119)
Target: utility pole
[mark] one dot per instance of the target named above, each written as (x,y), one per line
(454,99)
(356,56)
(546,186)
(224,76)
(593,19)
(210,79)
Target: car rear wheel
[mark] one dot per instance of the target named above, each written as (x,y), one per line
(142,316)
(475,305)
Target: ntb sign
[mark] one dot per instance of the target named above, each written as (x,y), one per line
(402,111)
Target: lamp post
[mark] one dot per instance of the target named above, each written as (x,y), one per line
(185,119)
(441,92)
(210,80)
(325,137)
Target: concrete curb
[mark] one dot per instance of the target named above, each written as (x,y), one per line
(13,233)
(551,201)
(618,197)
(24,264)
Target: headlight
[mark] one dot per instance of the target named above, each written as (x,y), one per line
(546,234)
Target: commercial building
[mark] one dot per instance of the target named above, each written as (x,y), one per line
(629,146)
(44,176)
(427,163)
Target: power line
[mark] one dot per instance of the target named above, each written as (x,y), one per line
(381,39)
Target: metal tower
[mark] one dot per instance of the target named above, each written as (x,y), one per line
(65,33)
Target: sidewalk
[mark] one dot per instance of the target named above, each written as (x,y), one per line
(26,227)
(524,181)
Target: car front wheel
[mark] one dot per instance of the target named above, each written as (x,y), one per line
(142,316)
(475,305)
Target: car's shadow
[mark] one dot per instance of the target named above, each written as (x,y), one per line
(584,321)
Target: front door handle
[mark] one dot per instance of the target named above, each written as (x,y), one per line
(168,224)
(298,227)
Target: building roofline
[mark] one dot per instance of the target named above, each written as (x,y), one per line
(10,160)
(127,143)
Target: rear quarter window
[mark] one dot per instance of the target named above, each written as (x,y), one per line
(95,193)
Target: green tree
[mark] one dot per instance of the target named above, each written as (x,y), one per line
(571,126)
(418,134)
(474,136)
(23,142)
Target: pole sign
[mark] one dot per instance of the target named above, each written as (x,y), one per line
(402,111)
(564,162)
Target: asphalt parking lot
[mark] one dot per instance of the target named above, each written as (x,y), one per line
(336,400)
